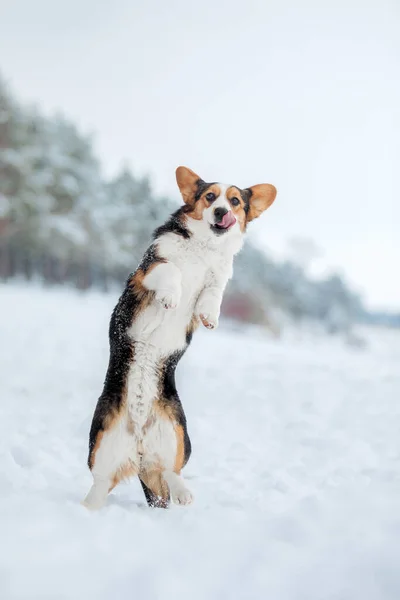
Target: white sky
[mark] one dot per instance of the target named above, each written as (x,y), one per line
(302,94)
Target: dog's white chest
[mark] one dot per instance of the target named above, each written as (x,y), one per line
(157,332)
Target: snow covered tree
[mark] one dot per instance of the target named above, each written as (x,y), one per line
(132,215)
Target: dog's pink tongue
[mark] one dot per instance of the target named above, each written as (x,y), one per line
(227,220)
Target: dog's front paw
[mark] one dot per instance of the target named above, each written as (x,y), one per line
(207,309)
(210,321)
(169,299)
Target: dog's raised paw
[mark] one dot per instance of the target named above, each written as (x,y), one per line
(209,321)
(168,299)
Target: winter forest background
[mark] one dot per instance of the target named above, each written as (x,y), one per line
(62,222)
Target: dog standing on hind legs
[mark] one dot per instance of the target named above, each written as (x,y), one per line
(139,426)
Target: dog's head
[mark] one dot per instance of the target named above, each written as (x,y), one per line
(224,209)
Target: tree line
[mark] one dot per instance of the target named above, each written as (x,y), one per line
(63,222)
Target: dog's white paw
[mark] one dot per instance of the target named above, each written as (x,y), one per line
(181,495)
(209,320)
(169,299)
(207,309)
(96,498)
(92,507)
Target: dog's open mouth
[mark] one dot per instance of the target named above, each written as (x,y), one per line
(227,221)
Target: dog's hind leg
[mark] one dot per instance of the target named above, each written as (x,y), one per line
(155,488)
(175,489)
(112,458)
(178,490)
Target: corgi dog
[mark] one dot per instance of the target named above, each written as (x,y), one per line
(139,426)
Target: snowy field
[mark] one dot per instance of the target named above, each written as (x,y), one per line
(295,466)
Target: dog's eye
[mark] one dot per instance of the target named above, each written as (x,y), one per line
(210,197)
(235,201)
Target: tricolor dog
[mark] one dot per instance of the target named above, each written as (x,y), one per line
(139,426)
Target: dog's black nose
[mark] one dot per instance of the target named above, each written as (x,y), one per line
(219,214)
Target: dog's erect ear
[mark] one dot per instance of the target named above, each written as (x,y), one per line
(187,181)
(261,198)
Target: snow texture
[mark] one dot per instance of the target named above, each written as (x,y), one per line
(295,467)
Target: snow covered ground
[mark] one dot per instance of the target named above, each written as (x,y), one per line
(295,466)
